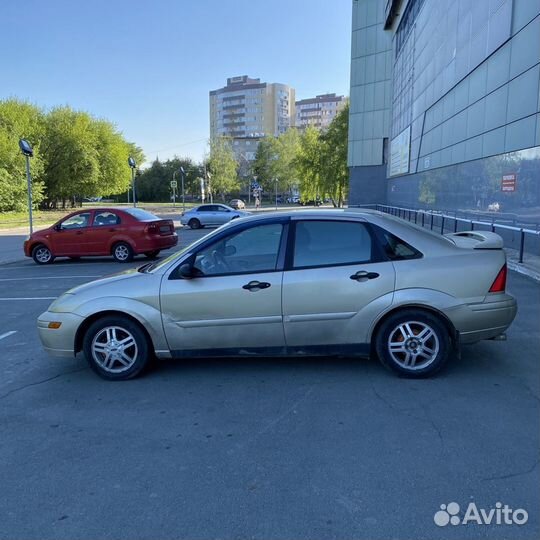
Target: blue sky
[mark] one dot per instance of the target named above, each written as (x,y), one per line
(148,65)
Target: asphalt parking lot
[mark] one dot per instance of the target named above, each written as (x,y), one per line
(263,448)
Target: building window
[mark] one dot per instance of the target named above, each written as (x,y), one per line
(407,22)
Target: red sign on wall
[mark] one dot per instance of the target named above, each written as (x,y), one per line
(508,183)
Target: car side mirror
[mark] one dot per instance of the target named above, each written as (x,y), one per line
(185,271)
(58,227)
(229,250)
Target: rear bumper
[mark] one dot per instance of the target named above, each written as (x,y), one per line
(152,243)
(486,320)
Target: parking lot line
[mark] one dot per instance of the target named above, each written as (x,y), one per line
(7,334)
(31,298)
(47,277)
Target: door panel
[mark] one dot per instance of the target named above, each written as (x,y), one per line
(234,299)
(218,313)
(98,237)
(70,240)
(324,306)
(337,285)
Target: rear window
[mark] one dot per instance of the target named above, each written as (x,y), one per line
(140,215)
(393,247)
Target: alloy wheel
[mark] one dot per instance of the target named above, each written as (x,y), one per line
(121,252)
(114,349)
(43,255)
(413,345)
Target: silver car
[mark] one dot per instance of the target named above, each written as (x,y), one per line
(346,282)
(208,215)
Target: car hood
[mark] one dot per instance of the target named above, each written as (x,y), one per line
(110,291)
(105,281)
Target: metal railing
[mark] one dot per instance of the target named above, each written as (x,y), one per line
(514,237)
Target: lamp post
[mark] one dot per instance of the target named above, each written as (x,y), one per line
(276,180)
(28,152)
(183,172)
(133,166)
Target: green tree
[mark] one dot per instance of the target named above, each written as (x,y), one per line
(222,167)
(18,120)
(154,183)
(333,159)
(308,163)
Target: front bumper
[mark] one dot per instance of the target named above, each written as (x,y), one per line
(61,341)
(486,320)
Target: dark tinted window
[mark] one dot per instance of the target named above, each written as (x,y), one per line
(395,248)
(140,215)
(330,243)
(206,208)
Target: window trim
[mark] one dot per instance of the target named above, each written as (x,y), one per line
(280,261)
(377,254)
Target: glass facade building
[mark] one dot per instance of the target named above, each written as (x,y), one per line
(445,104)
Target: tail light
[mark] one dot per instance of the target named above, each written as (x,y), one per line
(152,229)
(499,285)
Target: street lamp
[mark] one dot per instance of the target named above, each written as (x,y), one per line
(28,152)
(276,180)
(133,166)
(183,189)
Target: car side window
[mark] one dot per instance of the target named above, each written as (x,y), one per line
(77,221)
(221,209)
(251,250)
(105,218)
(395,248)
(331,243)
(206,208)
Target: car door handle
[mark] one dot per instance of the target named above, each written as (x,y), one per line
(112,230)
(362,275)
(79,232)
(256,285)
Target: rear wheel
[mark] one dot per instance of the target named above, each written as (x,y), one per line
(194,223)
(122,252)
(42,254)
(152,254)
(413,343)
(116,348)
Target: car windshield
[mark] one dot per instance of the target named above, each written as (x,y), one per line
(141,215)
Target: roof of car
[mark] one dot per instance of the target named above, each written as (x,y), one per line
(416,235)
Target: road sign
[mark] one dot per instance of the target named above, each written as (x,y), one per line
(174,183)
(508,184)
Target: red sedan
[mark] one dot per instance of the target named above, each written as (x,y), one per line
(121,233)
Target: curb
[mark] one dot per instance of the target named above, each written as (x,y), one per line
(523,270)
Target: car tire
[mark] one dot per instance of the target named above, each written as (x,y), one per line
(413,343)
(122,252)
(42,254)
(108,357)
(194,223)
(152,254)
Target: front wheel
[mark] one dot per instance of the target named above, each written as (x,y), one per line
(413,343)
(116,348)
(194,223)
(42,254)
(122,252)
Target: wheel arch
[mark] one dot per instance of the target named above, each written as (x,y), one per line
(121,240)
(88,321)
(452,332)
